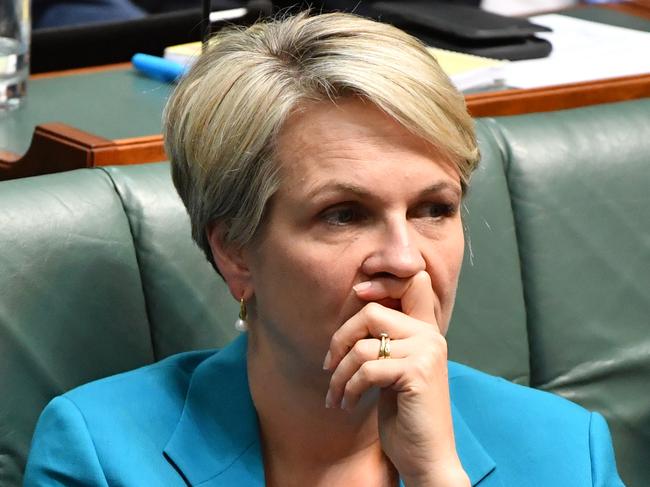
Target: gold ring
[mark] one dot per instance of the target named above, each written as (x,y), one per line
(384,347)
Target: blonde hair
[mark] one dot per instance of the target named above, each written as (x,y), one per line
(222,120)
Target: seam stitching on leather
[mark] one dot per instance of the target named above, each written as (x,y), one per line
(496,130)
(154,352)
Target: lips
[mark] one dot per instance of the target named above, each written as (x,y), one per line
(391,303)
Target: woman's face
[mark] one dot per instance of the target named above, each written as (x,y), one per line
(360,198)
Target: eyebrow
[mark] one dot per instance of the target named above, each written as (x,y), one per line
(359,191)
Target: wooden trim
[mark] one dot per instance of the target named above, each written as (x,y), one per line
(89,70)
(69,136)
(560,97)
(132,151)
(59,147)
(55,147)
(638,8)
(7,159)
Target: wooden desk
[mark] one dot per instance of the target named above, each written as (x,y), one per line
(124,130)
(574,95)
(127,129)
(559,97)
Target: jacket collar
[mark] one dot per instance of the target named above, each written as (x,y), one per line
(217,438)
(216,441)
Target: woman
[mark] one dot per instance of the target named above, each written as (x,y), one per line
(322,161)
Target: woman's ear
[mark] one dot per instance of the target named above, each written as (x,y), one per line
(230,262)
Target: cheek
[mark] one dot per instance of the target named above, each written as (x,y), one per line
(324,276)
(455,249)
(307,281)
(456,258)
(444,269)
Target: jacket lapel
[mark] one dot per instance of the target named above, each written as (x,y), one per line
(216,441)
(480,467)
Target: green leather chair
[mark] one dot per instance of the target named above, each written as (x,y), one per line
(98,275)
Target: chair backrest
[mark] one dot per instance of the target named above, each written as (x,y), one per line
(580,190)
(71,302)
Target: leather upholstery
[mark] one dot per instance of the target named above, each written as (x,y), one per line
(71,303)
(99,275)
(188,304)
(579,186)
(489,317)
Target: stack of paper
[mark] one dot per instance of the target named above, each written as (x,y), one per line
(184,54)
(467,71)
(582,51)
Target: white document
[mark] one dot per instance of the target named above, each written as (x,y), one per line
(524,7)
(582,51)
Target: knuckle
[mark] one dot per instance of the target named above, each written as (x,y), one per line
(372,310)
(423,365)
(364,372)
(336,342)
(358,352)
(436,343)
(440,347)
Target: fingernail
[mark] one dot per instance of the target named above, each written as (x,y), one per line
(361,286)
(328,359)
(328,400)
(344,403)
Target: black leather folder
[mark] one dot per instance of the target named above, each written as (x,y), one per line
(466,29)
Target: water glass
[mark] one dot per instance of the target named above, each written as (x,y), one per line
(15,31)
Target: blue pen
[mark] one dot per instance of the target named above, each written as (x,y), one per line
(158,68)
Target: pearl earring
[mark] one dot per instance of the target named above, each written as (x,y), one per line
(240,324)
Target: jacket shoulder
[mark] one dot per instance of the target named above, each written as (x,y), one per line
(557,442)
(498,396)
(168,378)
(113,431)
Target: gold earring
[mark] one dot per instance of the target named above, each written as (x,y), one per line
(240,324)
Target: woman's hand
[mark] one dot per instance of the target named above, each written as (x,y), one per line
(415,425)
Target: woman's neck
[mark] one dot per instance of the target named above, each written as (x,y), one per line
(300,435)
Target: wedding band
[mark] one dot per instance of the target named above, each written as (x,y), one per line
(384,346)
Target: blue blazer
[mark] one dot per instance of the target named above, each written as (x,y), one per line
(190,420)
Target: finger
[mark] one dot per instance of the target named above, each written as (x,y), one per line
(373,320)
(416,294)
(362,352)
(374,373)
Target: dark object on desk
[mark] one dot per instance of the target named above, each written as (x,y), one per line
(59,13)
(113,42)
(461,21)
(517,49)
(361,7)
(55,13)
(467,29)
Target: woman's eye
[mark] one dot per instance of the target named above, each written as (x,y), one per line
(438,210)
(341,215)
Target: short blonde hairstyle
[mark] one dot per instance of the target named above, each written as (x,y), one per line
(223,119)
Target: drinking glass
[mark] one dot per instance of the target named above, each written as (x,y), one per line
(15,30)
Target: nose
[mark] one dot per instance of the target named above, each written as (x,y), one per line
(394,251)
